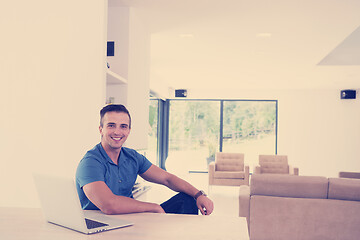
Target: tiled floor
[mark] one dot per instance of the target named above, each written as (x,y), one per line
(225,198)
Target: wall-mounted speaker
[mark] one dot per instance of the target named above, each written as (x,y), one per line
(348,94)
(180,93)
(110,49)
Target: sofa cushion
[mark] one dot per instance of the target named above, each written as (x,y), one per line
(229,174)
(344,189)
(225,166)
(349,174)
(281,159)
(229,162)
(274,164)
(275,168)
(289,186)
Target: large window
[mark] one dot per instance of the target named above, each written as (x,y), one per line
(193,134)
(192,131)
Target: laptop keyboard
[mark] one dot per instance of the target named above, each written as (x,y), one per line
(94,224)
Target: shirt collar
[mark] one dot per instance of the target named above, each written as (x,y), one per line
(103,152)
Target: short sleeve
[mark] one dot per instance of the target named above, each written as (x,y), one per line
(89,170)
(144,165)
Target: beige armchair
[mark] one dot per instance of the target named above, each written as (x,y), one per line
(275,164)
(228,169)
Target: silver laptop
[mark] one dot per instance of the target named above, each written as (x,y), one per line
(61,206)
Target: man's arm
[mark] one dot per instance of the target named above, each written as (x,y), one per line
(157,175)
(100,195)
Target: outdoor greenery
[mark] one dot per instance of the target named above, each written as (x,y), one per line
(153,117)
(248,119)
(195,126)
(153,131)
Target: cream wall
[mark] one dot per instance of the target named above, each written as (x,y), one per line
(131,61)
(52,85)
(320,131)
(317,130)
(138,85)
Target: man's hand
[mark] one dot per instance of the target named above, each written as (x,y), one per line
(158,209)
(157,175)
(205,205)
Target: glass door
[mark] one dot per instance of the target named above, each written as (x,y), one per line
(194,128)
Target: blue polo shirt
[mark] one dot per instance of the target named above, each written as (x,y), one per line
(96,165)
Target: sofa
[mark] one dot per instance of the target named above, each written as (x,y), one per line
(279,206)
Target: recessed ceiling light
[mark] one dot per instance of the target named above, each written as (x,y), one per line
(186,35)
(264,35)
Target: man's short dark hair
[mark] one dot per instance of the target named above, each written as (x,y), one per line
(113,108)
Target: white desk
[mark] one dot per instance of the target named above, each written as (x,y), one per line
(29,223)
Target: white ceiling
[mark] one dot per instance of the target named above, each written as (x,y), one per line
(253,44)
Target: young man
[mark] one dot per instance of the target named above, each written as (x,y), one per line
(106,174)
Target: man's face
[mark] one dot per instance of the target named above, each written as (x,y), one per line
(115,130)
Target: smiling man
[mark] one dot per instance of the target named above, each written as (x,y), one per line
(107,173)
